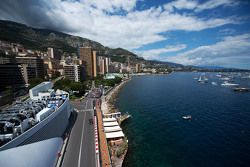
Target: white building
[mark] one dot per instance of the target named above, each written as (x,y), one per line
(41,91)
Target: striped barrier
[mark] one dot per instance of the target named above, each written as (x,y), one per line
(96,137)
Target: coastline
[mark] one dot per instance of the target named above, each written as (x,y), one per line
(108,106)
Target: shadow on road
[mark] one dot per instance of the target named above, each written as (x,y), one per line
(72,121)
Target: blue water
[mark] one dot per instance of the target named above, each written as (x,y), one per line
(218,134)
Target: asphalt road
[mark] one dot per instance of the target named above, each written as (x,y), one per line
(80,151)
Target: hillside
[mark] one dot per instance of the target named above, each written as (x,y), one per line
(41,39)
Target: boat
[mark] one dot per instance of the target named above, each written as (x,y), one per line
(226,83)
(205,78)
(214,83)
(202,79)
(226,79)
(246,77)
(241,89)
(219,75)
(187,117)
(44,115)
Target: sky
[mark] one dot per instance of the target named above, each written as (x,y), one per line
(189,32)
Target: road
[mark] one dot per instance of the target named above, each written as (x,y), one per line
(80,151)
(85,104)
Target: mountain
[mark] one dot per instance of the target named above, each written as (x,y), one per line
(41,39)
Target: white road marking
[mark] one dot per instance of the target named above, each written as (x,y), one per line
(80,153)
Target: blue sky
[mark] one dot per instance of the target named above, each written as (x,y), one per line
(189,32)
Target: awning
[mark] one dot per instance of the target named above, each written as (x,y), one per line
(112,129)
(105,124)
(111,135)
(109,119)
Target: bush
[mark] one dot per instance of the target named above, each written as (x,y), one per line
(122,148)
(68,85)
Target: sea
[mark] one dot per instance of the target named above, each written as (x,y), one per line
(218,135)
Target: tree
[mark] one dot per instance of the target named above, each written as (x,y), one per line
(35,81)
(77,86)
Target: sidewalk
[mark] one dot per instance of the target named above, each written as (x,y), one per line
(104,151)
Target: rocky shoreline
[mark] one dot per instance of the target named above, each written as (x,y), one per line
(118,152)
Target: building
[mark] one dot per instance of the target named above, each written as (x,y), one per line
(74,72)
(102,67)
(35,66)
(107,64)
(51,53)
(51,66)
(137,68)
(48,65)
(94,64)
(104,64)
(11,75)
(5,59)
(88,58)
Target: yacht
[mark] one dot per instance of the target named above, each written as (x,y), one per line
(226,83)
(218,75)
(225,78)
(241,89)
(187,117)
(246,77)
(214,83)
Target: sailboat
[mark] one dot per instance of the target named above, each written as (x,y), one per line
(205,78)
(202,80)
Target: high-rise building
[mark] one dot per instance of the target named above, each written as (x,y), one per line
(5,59)
(102,67)
(94,64)
(74,72)
(35,66)
(137,68)
(11,75)
(99,61)
(51,53)
(88,58)
(107,64)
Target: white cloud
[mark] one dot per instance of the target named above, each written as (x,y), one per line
(211,4)
(198,7)
(111,5)
(130,31)
(180,4)
(232,51)
(155,53)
